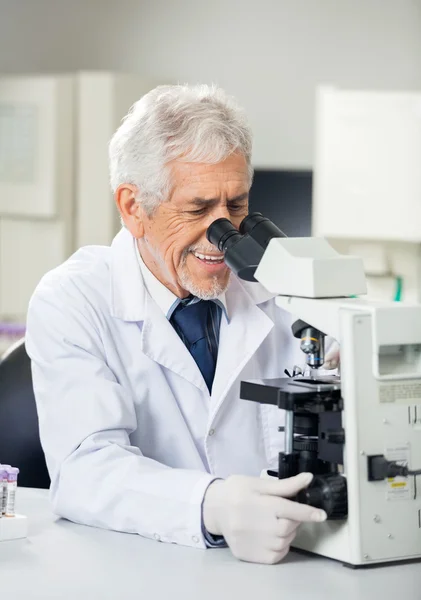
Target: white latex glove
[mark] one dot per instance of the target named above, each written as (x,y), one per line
(333,357)
(253,515)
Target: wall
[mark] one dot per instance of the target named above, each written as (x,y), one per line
(269,53)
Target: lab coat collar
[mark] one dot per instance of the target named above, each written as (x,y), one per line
(128,290)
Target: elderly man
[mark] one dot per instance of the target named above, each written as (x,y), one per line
(138,349)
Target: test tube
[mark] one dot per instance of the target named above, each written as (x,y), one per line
(3,483)
(3,488)
(12,484)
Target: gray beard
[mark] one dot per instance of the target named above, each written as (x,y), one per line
(211,293)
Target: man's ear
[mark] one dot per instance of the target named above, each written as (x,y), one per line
(130,209)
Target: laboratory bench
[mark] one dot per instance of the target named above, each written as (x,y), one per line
(61,560)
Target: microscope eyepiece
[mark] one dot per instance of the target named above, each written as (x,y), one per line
(242,254)
(260,228)
(250,221)
(243,249)
(222,234)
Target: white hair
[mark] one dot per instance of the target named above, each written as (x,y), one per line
(199,123)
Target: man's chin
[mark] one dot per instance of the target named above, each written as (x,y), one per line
(213,288)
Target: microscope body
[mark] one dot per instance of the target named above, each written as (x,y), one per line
(379,414)
(337,426)
(373,409)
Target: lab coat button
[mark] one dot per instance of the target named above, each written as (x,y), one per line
(195,539)
(157,537)
(211,431)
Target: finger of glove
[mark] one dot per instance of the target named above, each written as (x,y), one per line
(275,509)
(281,544)
(284,527)
(285,488)
(294,511)
(332,357)
(272,557)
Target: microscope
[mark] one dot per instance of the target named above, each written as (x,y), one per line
(358,432)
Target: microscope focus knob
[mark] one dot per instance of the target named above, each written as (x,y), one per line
(328,492)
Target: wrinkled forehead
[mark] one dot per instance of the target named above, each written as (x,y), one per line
(229,177)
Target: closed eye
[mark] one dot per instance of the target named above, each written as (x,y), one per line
(200,211)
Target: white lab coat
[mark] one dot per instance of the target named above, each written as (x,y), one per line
(131,435)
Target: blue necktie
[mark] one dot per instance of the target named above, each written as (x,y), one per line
(193,324)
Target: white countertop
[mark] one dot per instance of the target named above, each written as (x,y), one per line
(60,560)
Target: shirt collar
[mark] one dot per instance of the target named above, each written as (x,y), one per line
(164,298)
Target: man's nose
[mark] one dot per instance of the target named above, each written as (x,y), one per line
(219,212)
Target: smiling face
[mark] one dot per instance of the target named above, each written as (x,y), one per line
(172,241)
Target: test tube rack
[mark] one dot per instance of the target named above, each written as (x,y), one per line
(13,528)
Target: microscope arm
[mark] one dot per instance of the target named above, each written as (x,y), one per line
(322,314)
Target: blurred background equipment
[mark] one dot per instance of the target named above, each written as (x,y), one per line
(54,190)
(12,525)
(64,88)
(285,197)
(367,184)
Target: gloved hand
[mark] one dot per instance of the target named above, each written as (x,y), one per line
(254,516)
(333,357)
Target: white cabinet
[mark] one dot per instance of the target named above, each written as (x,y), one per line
(36,145)
(103,99)
(367,184)
(54,184)
(367,175)
(27,250)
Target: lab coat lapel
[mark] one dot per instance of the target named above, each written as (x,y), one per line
(127,290)
(161,343)
(131,302)
(239,338)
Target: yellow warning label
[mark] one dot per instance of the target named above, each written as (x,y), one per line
(399,488)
